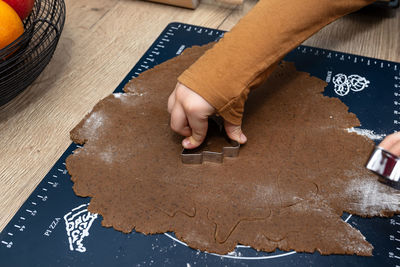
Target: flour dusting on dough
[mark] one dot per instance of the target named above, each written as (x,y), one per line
(107,155)
(118,95)
(367,133)
(123,98)
(94,122)
(372,194)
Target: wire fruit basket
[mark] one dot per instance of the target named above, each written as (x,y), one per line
(22,61)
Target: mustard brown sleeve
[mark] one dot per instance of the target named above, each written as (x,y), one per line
(246,55)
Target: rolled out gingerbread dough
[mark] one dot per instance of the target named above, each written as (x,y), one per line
(287,189)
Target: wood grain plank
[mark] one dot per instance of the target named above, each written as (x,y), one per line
(372,32)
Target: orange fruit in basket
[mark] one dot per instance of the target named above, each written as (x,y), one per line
(11,26)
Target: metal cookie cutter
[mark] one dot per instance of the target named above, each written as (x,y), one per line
(200,155)
(189,156)
(385,164)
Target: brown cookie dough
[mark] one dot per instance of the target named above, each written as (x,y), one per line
(287,189)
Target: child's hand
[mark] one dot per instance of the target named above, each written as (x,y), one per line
(391,143)
(189,117)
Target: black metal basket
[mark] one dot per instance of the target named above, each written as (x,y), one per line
(22,61)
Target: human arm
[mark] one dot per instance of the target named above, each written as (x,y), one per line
(247,54)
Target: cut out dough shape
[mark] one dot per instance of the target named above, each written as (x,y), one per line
(287,189)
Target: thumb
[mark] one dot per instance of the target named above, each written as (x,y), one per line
(199,131)
(235,133)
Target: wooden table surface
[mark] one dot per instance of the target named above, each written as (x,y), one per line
(101,41)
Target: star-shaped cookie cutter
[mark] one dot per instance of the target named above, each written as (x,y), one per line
(198,155)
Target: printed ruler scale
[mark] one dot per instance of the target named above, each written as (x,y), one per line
(54,228)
